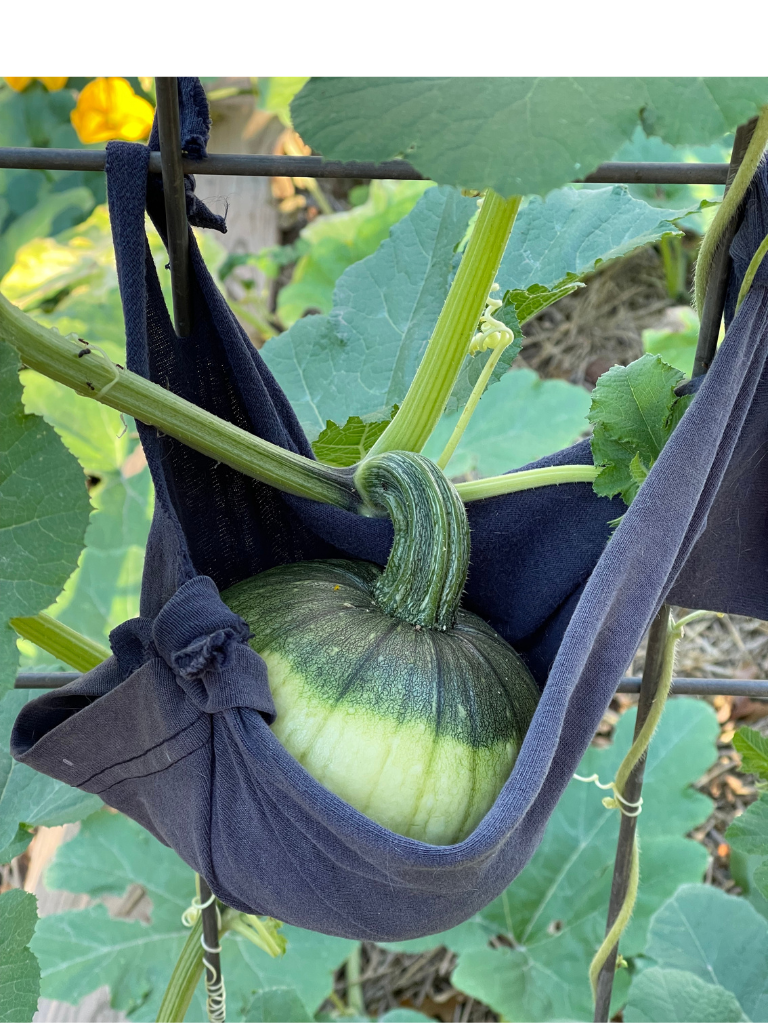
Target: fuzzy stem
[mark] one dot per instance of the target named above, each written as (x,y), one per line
(729,206)
(427,566)
(431,387)
(525,480)
(752,269)
(93,376)
(185,977)
(62,642)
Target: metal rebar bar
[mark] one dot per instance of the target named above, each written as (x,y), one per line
(30,158)
(175,201)
(707,342)
(757,689)
(714,300)
(212,956)
(657,640)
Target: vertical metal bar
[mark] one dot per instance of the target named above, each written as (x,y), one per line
(714,300)
(712,314)
(210,941)
(653,661)
(175,201)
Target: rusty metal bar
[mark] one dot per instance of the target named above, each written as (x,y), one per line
(315,167)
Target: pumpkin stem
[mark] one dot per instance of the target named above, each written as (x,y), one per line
(427,566)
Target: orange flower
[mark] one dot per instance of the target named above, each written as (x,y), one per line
(51,84)
(108,108)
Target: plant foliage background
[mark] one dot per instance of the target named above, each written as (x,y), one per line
(76,503)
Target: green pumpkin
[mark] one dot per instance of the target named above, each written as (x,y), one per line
(403,704)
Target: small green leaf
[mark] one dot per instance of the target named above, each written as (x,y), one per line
(347,445)
(44,510)
(530,301)
(749,832)
(634,410)
(720,938)
(753,749)
(638,470)
(19,969)
(670,995)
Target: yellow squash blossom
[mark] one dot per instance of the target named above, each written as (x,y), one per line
(51,84)
(108,108)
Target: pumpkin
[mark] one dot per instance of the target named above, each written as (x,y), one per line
(405,705)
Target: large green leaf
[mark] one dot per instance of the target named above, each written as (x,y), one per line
(660,994)
(40,219)
(721,939)
(515,135)
(361,358)
(677,348)
(27,797)
(43,510)
(517,421)
(554,913)
(81,950)
(634,411)
(341,239)
(573,231)
(19,969)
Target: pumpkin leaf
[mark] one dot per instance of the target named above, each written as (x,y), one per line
(19,969)
(347,445)
(515,135)
(111,852)
(749,832)
(360,359)
(516,422)
(573,231)
(44,510)
(528,302)
(720,938)
(27,797)
(554,912)
(660,994)
(338,240)
(753,749)
(634,411)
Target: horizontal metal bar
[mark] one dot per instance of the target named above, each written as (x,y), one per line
(706,687)
(315,167)
(629,684)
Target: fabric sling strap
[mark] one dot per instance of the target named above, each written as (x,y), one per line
(174,729)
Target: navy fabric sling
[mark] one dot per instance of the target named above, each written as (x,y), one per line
(174,729)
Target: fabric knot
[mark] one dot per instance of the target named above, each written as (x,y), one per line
(208,653)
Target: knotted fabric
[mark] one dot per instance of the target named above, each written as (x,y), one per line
(174,729)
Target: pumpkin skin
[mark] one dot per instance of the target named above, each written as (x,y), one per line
(418,728)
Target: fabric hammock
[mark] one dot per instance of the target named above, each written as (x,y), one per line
(174,729)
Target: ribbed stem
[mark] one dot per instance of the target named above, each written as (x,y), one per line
(186,975)
(62,642)
(86,370)
(427,567)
